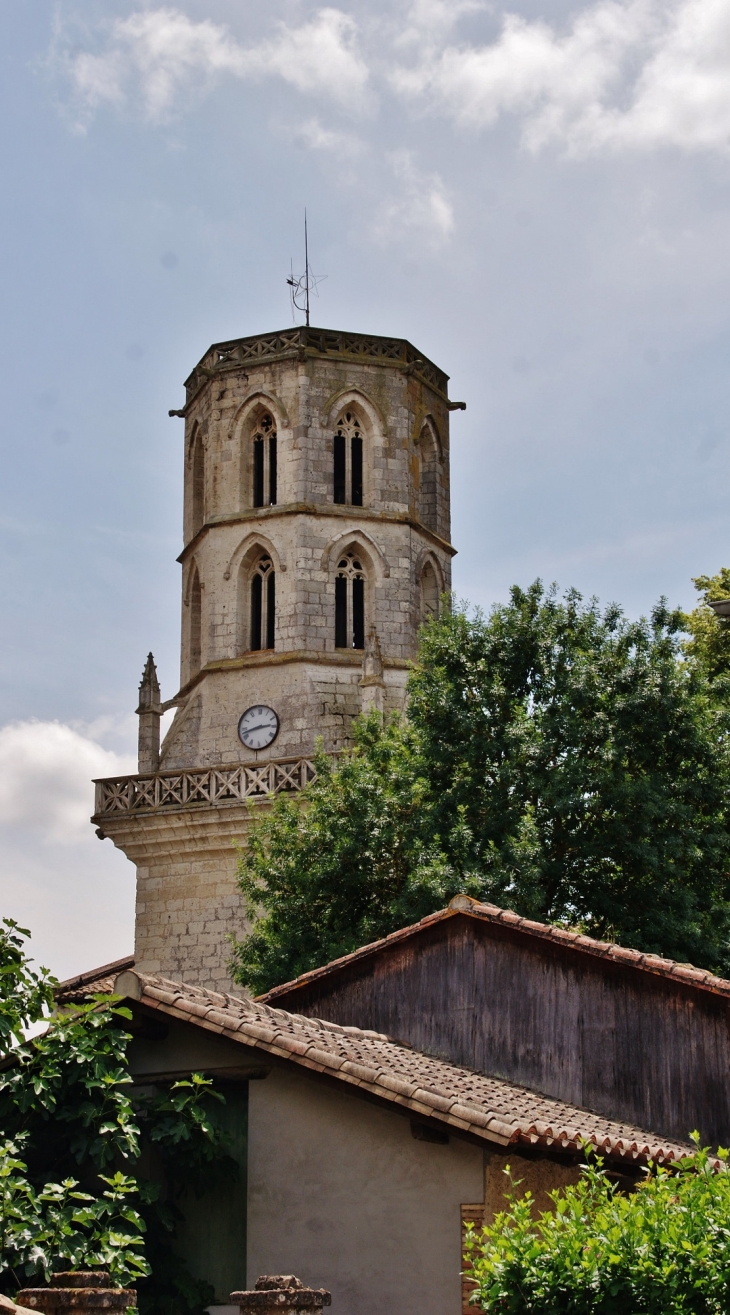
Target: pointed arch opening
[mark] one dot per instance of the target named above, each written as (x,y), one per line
(196,623)
(264,458)
(429,479)
(430,592)
(350,600)
(257,602)
(197,475)
(348,456)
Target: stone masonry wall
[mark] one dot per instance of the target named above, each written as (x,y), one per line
(187,900)
(305,535)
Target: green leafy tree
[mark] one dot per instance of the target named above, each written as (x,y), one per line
(69,1090)
(74,1132)
(63,1110)
(590,764)
(26,995)
(357,861)
(709,643)
(663,1249)
(59,1226)
(557,759)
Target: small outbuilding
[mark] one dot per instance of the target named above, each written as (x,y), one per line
(638,1037)
(361,1158)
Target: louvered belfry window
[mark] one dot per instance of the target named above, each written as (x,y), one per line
(263,604)
(264,462)
(350,603)
(348,460)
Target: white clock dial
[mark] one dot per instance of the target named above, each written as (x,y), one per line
(258,727)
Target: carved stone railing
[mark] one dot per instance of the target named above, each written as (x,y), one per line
(209,786)
(289,342)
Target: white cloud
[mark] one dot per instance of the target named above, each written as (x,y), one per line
(428,21)
(419,207)
(318,57)
(622,75)
(46,769)
(159,56)
(625,75)
(75,893)
(316,137)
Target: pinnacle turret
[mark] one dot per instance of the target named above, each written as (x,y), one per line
(149,712)
(149,687)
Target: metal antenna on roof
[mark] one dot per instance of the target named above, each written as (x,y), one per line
(302,287)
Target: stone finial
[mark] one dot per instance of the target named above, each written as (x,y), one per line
(372,683)
(274,1293)
(149,712)
(77,1293)
(149,687)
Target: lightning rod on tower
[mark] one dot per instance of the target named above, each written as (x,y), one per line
(302,287)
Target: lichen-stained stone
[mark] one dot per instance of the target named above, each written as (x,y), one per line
(308,455)
(78,1292)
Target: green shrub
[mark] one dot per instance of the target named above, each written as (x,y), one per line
(74,1136)
(662,1249)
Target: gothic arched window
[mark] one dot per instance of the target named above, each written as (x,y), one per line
(429,592)
(196,608)
(348,445)
(429,474)
(350,603)
(264,461)
(198,482)
(263,604)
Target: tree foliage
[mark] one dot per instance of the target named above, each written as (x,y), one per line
(709,643)
(61,1227)
(25,993)
(75,1133)
(557,759)
(663,1249)
(357,861)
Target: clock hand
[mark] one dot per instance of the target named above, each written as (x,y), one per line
(263,726)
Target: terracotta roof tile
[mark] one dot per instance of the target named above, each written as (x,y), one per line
(686,973)
(77,989)
(489,1108)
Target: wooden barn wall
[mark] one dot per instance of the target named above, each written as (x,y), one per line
(618,1040)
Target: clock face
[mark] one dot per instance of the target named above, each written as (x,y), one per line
(258,727)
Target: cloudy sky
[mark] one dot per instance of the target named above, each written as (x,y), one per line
(537,195)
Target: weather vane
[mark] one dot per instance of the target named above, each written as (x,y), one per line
(301,288)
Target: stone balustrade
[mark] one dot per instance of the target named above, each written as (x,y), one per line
(211,786)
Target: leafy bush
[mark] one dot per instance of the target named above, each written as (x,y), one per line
(73,1129)
(25,995)
(62,1227)
(663,1249)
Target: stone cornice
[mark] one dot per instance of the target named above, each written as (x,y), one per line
(254,515)
(269,657)
(302,343)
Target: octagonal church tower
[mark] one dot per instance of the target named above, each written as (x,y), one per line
(317,539)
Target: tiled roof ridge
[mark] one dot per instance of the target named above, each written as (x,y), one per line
(424,1085)
(685,973)
(105,970)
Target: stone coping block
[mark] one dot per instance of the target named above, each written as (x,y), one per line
(280,1292)
(77,1291)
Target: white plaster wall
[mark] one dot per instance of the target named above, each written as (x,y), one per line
(342,1195)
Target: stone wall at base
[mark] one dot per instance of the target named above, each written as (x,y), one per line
(188,902)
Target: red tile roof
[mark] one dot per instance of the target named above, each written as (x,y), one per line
(464,904)
(77,989)
(497,1112)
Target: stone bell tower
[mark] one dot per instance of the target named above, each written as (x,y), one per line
(317,539)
